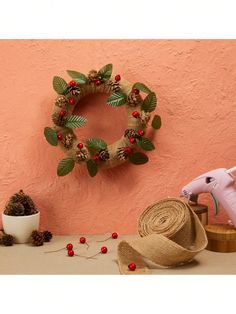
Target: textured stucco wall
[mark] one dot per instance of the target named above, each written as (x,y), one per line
(195,82)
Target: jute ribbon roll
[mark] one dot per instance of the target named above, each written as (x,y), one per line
(171,235)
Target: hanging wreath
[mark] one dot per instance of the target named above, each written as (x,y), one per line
(95,152)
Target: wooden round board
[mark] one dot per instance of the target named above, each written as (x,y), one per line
(221,238)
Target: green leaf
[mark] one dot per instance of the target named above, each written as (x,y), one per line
(142,87)
(105,72)
(80,78)
(156,122)
(92,167)
(138,158)
(150,102)
(51,136)
(65,166)
(145,144)
(59,85)
(75,121)
(96,144)
(117,99)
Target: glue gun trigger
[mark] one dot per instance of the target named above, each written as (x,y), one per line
(216,204)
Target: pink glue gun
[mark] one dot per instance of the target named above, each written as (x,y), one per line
(220,184)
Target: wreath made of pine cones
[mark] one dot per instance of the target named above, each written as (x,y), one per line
(139,100)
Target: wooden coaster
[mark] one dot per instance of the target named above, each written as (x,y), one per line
(221,238)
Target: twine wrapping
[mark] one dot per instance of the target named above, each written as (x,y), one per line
(171,235)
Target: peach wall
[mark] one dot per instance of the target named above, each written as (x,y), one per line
(195,82)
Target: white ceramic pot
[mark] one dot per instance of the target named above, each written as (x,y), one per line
(20,227)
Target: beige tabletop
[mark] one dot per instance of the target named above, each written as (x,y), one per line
(27,259)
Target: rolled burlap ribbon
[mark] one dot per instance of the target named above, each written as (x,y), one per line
(171,235)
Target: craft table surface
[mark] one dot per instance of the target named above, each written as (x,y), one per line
(26,259)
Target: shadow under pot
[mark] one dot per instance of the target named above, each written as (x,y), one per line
(20,227)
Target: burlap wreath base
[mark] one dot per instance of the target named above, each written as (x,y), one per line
(139,101)
(171,235)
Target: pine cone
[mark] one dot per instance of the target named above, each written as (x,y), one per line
(122,153)
(81,155)
(114,86)
(47,236)
(104,155)
(93,75)
(61,102)
(29,206)
(26,201)
(58,120)
(74,91)
(131,133)
(68,140)
(18,197)
(145,117)
(14,209)
(134,100)
(37,238)
(7,240)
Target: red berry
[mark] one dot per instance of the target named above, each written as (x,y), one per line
(98,82)
(72,101)
(72,83)
(132,140)
(80,145)
(117,77)
(135,114)
(141,132)
(128,150)
(62,113)
(82,240)
(132,266)
(60,137)
(69,246)
(95,157)
(103,249)
(70,253)
(114,235)
(136,91)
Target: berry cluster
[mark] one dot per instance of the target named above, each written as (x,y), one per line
(103,250)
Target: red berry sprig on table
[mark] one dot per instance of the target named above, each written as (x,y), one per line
(72,83)
(132,266)
(132,140)
(70,253)
(114,235)
(68,247)
(103,250)
(82,240)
